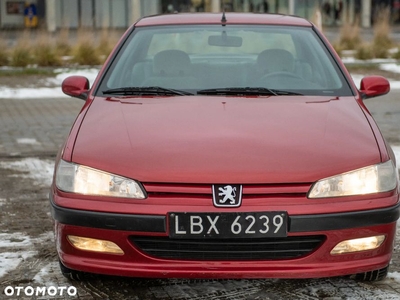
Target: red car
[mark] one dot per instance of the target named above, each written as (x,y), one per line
(225,146)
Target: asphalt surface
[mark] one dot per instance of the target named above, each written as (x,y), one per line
(35,127)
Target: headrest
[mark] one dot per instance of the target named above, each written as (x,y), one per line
(275,60)
(171,62)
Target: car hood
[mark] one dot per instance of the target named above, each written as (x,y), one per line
(206,139)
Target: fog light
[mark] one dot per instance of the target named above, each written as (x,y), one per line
(88,244)
(363,244)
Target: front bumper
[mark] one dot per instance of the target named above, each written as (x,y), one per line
(156,223)
(123,228)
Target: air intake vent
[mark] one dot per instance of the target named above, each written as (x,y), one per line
(228,249)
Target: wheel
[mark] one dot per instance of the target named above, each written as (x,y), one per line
(72,274)
(375,275)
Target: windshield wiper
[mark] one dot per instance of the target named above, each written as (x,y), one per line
(146,90)
(246,91)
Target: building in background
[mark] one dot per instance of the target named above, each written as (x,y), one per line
(13,12)
(73,14)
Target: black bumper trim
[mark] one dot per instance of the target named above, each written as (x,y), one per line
(156,223)
(345,220)
(128,222)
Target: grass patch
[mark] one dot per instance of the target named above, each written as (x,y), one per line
(4,55)
(378,48)
(42,49)
(382,42)
(349,38)
(63,48)
(362,68)
(85,51)
(396,55)
(44,52)
(364,52)
(28,72)
(106,43)
(21,55)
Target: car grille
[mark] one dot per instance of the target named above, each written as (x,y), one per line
(250,191)
(228,249)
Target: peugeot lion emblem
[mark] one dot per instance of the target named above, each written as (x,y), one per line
(229,195)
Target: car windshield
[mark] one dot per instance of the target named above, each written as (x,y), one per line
(232,59)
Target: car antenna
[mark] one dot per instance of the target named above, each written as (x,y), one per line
(223,20)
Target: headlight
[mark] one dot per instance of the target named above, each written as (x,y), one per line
(368,180)
(79,179)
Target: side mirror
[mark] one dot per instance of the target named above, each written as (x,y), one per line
(76,86)
(373,86)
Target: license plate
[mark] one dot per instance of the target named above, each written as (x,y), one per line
(228,225)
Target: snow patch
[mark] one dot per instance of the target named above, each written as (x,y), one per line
(10,260)
(16,247)
(393,276)
(41,171)
(19,242)
(357,79)
(396,151)
(29,93)
(42,277)
(48,92)
(28,141)
(391,67)
(18,239)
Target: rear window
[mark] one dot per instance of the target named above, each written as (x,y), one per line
(198,57)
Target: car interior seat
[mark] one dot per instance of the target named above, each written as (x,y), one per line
(275,60)
(172,69)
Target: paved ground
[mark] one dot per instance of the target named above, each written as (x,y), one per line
(35,126)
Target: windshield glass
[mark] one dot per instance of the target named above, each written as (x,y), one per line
(192,58)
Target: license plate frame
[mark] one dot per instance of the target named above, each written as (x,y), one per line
(227,225)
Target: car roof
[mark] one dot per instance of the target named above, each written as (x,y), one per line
(215,18)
